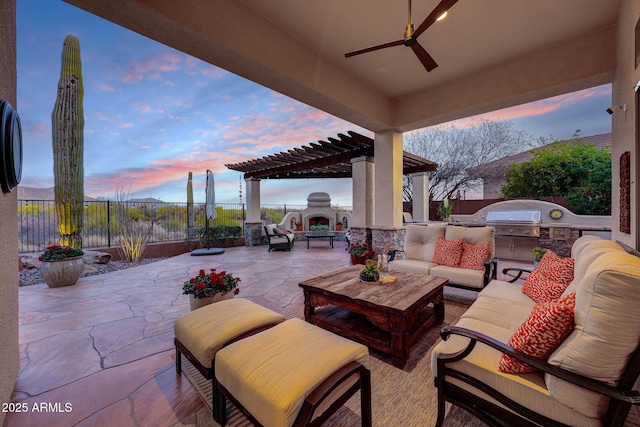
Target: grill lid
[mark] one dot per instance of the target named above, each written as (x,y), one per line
(514,217)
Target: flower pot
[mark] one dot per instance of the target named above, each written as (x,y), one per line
(359,260)
(196,303)
(338,227)
(374,277)
(61,272)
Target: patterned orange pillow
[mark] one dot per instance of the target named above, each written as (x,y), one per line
(448,252)
(474,256)
(548,325)
(550,279)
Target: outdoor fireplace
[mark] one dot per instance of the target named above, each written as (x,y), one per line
(318,212)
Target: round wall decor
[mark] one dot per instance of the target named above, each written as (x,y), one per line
(10,147)
(556,213)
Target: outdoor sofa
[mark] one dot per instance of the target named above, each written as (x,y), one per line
(587,380)
(466,271)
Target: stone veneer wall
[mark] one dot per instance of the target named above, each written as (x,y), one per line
(9,350)
(559,246)
(254,234)
(379,237)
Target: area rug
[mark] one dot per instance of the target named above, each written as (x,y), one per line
(400,397)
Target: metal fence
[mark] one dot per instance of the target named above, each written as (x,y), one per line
(169,222)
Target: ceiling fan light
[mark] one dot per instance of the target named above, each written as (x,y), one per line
(441,17)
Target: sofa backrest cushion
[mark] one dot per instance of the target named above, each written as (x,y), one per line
(473,235)
(420,241)
(607,325)
(587,252)
(272,230)
(581,243)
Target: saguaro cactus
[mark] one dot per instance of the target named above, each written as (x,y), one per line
(67,128)
(190,201)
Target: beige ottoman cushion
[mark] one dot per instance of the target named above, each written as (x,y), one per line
(206,330)
(271,373)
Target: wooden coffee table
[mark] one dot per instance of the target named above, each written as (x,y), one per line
(387,317)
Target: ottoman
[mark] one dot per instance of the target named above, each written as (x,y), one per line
(294,374)
(200,334)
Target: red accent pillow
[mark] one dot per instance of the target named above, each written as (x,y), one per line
(448,252)
(550,279)
(474,256)
(548,325)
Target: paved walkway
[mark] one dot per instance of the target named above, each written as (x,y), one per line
(99,353)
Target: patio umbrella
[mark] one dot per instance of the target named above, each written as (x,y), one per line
(210,212)
(211,197)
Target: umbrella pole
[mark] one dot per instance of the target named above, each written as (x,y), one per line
(206,228)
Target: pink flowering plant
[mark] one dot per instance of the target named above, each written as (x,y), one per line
(56,252)
(208,284)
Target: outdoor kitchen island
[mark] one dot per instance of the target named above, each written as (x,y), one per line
(387,317)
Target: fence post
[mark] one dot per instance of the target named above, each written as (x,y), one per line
(108,223)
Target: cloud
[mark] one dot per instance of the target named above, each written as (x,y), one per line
(152,65)
(538,108)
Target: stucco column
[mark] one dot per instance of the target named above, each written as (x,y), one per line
(420,196)
(363,191)
(388,178)
(253,199)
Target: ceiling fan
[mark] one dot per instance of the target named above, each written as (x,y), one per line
(411,36)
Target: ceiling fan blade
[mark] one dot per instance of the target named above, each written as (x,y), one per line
(371,49)
(424,57)
(433,16)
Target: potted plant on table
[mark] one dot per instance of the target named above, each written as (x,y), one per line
(61,266)
(211,287)
(370,273)
(359,252)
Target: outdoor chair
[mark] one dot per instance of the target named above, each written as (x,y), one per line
(278,239)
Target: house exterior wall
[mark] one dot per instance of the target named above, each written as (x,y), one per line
(9,350)
(624,126)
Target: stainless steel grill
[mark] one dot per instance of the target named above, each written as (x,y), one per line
(522,223)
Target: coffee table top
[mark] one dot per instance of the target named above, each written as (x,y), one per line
(407,291)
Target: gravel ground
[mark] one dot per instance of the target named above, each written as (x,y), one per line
(32,276)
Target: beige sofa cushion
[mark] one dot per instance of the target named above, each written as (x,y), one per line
(271,373)
(420,241)
(412,265)
(473,235)
(607,329)
(588,251)
(459,276)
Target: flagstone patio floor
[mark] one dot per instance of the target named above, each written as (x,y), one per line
(99,353)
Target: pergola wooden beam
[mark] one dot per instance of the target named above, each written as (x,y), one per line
(323,159)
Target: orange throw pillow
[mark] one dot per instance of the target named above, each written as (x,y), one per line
(548,325)
(474,256)
(550,279)
(448,252)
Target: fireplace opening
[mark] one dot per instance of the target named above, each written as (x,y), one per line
(318,220)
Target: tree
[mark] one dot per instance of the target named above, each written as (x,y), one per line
(458,149)
(579,172)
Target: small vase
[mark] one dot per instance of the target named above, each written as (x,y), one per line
(196,303)
(369,277)
(61,272)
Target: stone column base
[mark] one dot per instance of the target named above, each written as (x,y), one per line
(379,237)
(253,234)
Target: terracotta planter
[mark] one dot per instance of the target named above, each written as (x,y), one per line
(359,260)
(62,272)
(338,227)
(196,303)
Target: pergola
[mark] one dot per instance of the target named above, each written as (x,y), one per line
(348,156)
(323,159)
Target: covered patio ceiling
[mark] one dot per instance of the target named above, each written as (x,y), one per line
(323,159)
(491,54)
